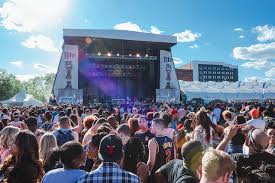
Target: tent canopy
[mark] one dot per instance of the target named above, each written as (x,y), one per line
(228,91)
(22,99)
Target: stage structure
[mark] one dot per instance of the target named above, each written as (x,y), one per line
(101,65)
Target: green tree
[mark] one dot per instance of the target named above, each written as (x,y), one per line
(40,87)
(9,85)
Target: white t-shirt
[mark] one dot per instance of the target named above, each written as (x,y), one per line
(257,123)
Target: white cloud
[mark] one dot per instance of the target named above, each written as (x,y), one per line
(265,33)
(177,60)
(238,29)
(41,42)
(255,52)
(17,63)
(241,36)
(261,55)
(44,69)
(128,26)
(194,46)
(155,30)
(135,27)
(270,73)
(32,15)
(258,65)
(187,36)
(24,77)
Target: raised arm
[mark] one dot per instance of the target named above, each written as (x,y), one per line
(79,126)
(230,132)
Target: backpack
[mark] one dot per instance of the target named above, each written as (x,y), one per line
(47,126)
(63,137)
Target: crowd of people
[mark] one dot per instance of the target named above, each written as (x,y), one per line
(138,142)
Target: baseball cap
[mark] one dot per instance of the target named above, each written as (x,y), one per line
(110,148)
(173,112)
(254,113)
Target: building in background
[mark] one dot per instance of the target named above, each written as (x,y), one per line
(185,73)
(204,71)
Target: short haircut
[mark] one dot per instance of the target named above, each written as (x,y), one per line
(112,121)
(64,120)
(167,119)
(192,152)
(240,119)
(69,152)
(216,163)
(159,122)
(104,128)
(48,116)
(156,115)
(142,117)
(31,121)
(125,129)
(100,121)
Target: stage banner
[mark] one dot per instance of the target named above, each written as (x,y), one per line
(67,73)
(168,77)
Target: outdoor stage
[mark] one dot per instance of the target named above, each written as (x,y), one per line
(101,65)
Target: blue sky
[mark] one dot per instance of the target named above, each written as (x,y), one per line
(233,31)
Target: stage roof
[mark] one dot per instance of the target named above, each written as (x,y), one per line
(120,34)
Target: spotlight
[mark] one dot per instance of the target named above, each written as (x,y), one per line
(109,54)
(130,54)
(146,55)
(117,54)
(138,55)
(99,54)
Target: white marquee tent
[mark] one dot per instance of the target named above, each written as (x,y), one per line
(22,99)
(225,90)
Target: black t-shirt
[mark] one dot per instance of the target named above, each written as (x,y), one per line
(175,172)
(145,137)
(258,167)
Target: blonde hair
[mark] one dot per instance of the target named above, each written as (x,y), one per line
(7,136)
(216,163)
(47,142)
